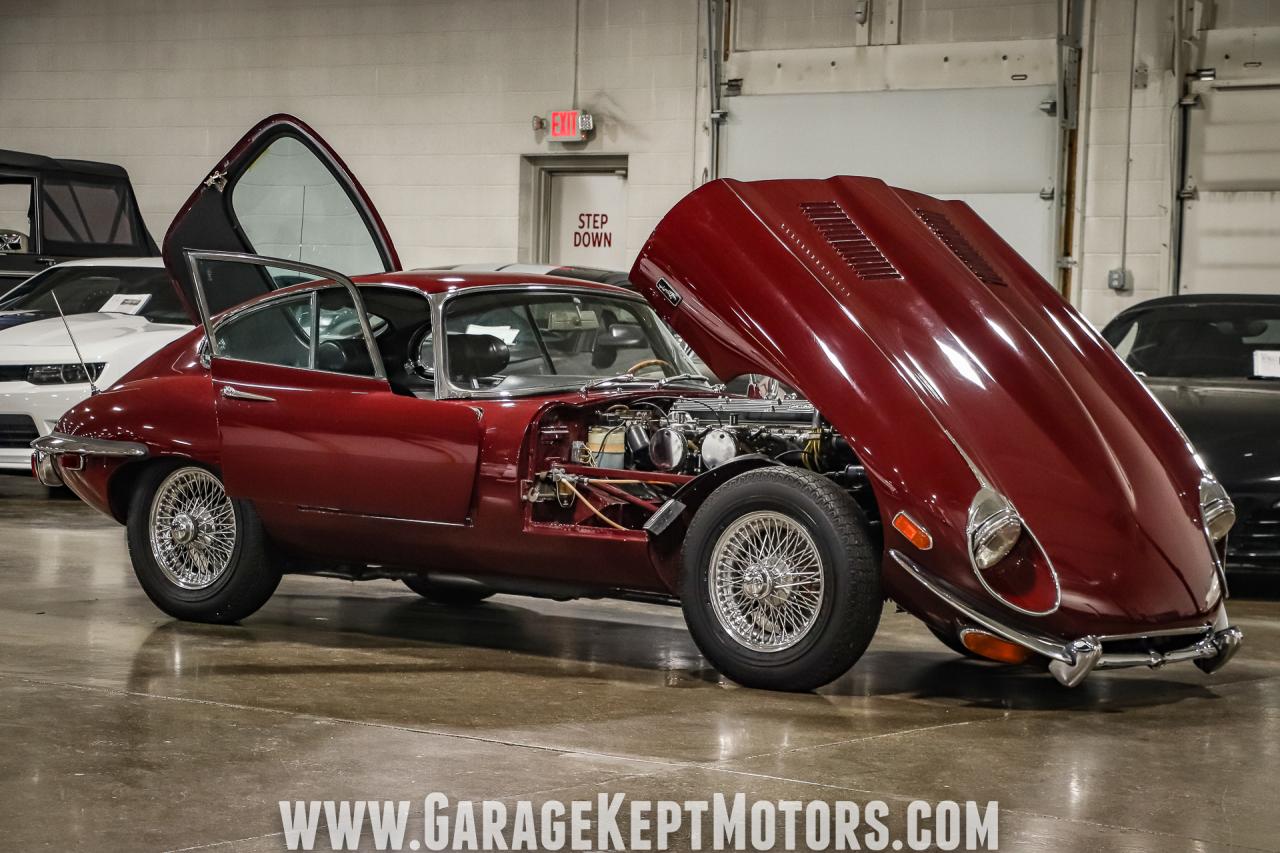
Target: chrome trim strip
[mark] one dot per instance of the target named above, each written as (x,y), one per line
(1197,631)
(324,510)
(233,393)
(57,444)
(1071,661)
(1047,646)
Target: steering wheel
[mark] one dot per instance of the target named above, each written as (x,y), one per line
(421,355)
(649,362)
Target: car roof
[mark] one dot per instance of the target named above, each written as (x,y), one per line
(443,281)
(114,262)
(1190,300)
(564,270)
(40,163)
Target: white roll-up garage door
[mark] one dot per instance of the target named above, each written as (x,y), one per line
(993,148)
(1231,222)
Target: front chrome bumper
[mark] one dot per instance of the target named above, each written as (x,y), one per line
(1211,645)
(48,447)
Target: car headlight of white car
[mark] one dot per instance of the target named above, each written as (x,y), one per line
(62,374)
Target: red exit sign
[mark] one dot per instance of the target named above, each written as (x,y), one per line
(568,125)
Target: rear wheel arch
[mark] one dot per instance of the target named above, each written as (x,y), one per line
(211,562)
(124,482)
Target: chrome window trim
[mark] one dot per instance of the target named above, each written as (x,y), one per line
(434,310)
(336,279)
(442,301)
(237,314)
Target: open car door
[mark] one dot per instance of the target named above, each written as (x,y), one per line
(280,192)
(310,426)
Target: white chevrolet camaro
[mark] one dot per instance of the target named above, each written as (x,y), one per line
(119,311)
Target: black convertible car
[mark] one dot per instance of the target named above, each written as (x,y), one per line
(1214,362)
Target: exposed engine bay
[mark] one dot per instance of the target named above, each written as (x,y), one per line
(615,466)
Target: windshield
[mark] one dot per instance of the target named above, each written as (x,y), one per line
(529,340)
(82,290)
(1224,341)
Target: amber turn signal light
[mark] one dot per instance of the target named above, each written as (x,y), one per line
(914,533)
(994,648)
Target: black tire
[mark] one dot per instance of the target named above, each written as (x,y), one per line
(453,594)
(849,609)
(243,586)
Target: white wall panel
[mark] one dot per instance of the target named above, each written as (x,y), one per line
(1231,228)
(428,101)
(993,148)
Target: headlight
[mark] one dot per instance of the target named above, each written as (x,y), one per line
(62,374)
(994,528)
(1216,509)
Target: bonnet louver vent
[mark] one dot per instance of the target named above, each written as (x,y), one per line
(942,228)
(849,241)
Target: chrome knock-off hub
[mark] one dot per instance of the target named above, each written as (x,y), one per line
(183,529)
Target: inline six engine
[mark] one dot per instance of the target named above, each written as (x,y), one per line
(614,466)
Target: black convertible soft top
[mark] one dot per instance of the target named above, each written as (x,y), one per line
(40,163)
(80,208)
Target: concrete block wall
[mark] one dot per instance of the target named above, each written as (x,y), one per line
(1143,138)
(429,101)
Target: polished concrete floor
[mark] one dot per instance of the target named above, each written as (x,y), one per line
(123,730)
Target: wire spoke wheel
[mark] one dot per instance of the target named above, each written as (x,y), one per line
(766,581)
(192,528)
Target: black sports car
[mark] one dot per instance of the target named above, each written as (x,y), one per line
(1214,362)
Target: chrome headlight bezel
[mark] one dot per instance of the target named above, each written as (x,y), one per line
(1217,511)
(993,529)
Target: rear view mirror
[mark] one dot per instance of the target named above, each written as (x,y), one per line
(622,336)
(571,321)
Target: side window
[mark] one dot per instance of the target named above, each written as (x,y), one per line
(340,343)
(75,212)
(291,206)
(279,333)
(15,215)
(1124,345)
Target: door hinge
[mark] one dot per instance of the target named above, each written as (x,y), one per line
(1046,194)
(1066,262)
(1188,191)
(217,180)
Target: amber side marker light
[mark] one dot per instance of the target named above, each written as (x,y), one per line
(993,648)
(914,533)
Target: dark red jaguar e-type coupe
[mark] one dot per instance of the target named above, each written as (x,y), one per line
(967,445)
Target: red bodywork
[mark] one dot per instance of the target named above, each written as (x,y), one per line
(424,484)
(942,358)
(930,340)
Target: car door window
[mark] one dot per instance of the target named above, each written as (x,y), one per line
(15,215)
(278,333)
(290,205)
(341,346)
(79,212)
